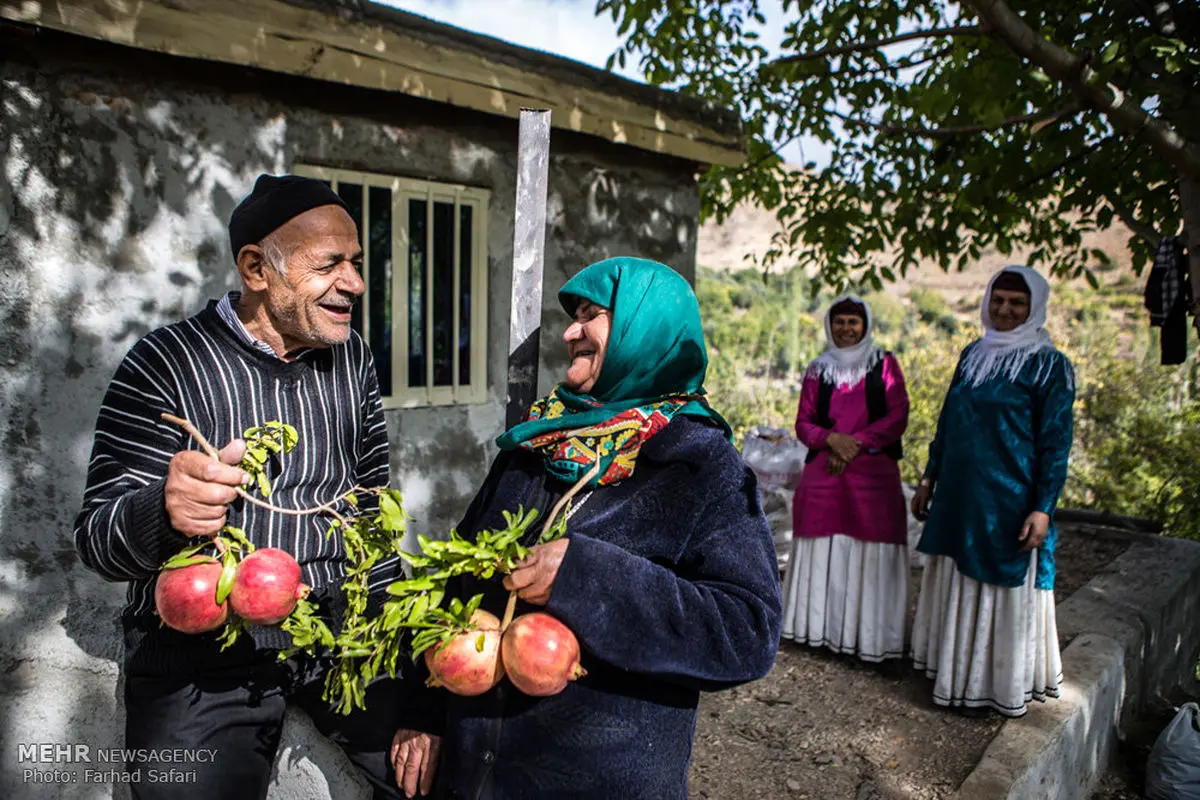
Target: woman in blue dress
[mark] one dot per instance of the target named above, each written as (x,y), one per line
(985,629)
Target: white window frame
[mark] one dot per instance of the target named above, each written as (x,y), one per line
(403,190)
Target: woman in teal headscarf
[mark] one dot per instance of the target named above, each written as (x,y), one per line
(667,574)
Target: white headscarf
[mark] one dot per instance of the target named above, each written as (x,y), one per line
(1005,353)
(846,366)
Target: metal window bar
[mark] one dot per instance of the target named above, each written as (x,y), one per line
(402,190)
(399,298)
(429,295)
(365,301)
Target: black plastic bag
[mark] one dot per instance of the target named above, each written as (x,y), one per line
(1173,768)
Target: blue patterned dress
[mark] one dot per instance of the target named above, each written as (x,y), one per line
(1000,452)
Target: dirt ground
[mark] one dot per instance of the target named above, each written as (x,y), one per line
(825,726)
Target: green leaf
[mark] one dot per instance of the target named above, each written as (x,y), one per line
(418,610)
(239,536)
(391,513)
(480,641)
(186,552)
(228,573)
(400,588)
(231,633)
(416,560)
(436,595)
(264,485)
(179,562)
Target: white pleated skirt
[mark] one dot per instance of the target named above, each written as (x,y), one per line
(985,645)
(848,595)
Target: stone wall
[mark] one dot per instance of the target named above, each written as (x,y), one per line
(120,169)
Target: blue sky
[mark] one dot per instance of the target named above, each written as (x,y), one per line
(567,28)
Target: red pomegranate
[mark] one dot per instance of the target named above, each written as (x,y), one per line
(267,587)
(186,598)
(540,655)
(461,666)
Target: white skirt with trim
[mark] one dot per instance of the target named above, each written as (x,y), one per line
(848,595)
(985,645)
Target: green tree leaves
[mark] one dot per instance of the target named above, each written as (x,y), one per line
(273,438)
(945,143)
(412,619)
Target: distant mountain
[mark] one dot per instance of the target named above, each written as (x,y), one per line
(748,231)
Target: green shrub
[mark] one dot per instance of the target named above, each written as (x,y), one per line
(1137,442)
(929,304)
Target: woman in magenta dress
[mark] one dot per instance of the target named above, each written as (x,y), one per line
(847,581)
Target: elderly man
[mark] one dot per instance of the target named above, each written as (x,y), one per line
(281,349)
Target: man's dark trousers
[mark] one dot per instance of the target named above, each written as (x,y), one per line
(236,709)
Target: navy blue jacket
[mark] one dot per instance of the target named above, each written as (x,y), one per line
(671,585)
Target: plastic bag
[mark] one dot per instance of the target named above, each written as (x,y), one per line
(775,455)
(1173,768)
(777,459)
(777,506)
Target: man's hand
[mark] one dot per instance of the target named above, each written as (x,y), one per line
(835,466)
(199,489)
(415,760)
(844,446)
(533,579)
(1034,531)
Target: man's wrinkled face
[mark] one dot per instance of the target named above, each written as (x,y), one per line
(1008,309)
(587,341)
(309,300)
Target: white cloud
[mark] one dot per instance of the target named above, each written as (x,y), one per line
(567,28)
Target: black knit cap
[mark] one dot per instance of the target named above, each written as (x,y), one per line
(275,200)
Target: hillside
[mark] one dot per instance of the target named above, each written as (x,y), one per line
(748,231)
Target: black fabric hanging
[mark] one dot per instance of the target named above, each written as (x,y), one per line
(1168,297)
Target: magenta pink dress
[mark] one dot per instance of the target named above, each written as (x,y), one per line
(866,501)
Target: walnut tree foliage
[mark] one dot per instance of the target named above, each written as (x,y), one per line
(955,128)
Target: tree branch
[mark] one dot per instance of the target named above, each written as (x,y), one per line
(1040,118)
(1143,230)
(900,66)
(829,52)
(1189,202)
(1072,71)
(1050,173)
(208,448)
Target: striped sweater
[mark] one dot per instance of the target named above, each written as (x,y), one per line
(198,369)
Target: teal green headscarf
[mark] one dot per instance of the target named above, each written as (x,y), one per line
(654,366)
